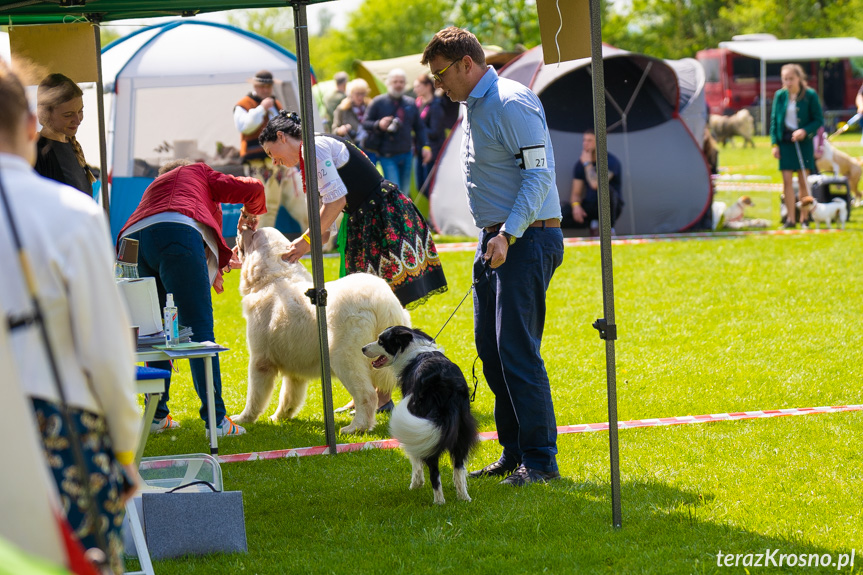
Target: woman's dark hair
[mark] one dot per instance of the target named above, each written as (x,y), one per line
(426,79)
(287,122)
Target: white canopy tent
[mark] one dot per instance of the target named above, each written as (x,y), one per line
(170,93)
(802,50)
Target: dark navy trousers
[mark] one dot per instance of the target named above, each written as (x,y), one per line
(509,316)
(175,255)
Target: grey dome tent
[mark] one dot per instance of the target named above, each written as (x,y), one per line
(655,116)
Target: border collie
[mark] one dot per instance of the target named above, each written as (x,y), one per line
(434,414)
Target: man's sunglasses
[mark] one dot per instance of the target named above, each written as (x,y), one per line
(437,75)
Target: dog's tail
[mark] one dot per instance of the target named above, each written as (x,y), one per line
(419,437)
(463,435)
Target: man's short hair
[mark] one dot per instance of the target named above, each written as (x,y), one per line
(589,131)
(453,44)
(341,78)
(173,165)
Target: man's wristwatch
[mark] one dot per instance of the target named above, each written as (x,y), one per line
(510,239)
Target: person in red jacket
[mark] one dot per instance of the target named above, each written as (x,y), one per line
(178,225)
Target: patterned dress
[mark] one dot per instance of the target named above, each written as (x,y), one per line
(385,234)
(107,478)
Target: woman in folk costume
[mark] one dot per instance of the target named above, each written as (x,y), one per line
(385,234)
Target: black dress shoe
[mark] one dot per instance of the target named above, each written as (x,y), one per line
(524,475)
(496,469)
(385,408)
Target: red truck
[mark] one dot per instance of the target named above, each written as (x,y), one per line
(732,81)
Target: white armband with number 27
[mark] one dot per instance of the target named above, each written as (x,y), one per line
(532,158)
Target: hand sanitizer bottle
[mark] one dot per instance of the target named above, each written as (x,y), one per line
(172,326)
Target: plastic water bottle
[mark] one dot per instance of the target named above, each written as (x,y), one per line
(172,325)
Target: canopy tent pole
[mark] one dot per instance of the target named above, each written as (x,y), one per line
(606,326)
(318,294)
(763,97)
(100,107)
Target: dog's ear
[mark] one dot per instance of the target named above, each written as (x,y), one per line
(401,339)
(242,241)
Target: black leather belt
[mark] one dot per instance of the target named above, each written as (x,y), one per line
(549,223)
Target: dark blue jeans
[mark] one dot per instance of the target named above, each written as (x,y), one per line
(397,169)
(175,255)
(509,316)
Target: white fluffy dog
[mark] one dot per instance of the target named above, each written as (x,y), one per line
(825,213)
(281,329)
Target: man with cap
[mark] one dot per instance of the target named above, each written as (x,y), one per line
(335,98)
(251,114)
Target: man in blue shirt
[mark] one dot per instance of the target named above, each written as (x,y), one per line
(509,173)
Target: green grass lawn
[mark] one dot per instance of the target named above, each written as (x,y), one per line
(719,325)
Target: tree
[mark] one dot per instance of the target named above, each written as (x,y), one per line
(669,28)
(796,18)
(505,23)
(390,28)
(277,24)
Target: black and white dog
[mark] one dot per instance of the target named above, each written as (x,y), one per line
(434,414)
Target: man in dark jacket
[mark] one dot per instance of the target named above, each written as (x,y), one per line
(390,119)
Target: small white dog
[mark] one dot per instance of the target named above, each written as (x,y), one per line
(282,330)
(732,216)
(825,213)
(734,213)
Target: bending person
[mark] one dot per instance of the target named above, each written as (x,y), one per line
(386,235)
(178,225)
(59,156)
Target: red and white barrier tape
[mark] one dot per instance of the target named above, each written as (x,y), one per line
(650,238)
(582,428)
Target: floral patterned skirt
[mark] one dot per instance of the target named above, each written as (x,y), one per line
(106,475)
(389,238)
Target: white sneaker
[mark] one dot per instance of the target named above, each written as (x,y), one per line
(227,429)
(160,425)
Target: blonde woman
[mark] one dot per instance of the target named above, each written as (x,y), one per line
(60,108)
(795,118)
(348,117)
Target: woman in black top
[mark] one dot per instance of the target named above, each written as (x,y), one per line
(432,114)
(385,234)
(58,154)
